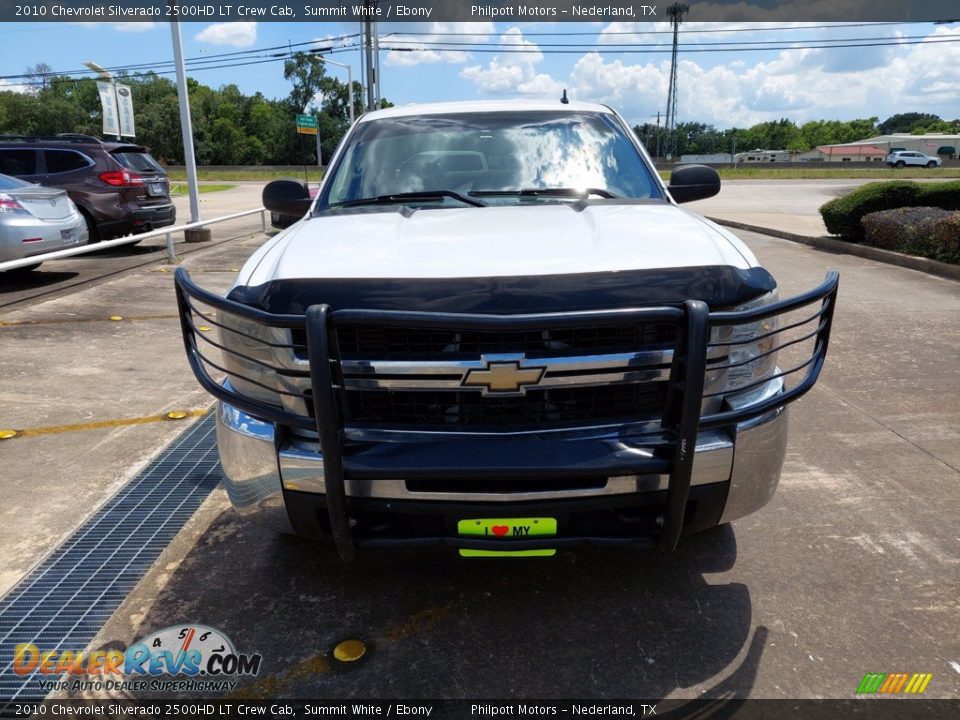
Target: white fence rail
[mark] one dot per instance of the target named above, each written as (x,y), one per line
(169,232)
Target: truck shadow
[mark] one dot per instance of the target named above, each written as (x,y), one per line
(589,623)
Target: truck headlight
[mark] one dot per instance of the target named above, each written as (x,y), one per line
(248,356)
(747,350)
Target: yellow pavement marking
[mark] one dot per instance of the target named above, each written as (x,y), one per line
(349,650)
(98,424)
(59,321)
(200,270)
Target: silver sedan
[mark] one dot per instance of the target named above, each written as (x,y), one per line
(36,220)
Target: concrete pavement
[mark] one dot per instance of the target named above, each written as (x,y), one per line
(852,568)
(787,205)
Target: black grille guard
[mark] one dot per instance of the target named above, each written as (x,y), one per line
(681,419)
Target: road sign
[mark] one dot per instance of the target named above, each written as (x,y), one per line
(306,125)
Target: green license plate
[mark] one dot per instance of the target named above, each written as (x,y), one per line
(508,529)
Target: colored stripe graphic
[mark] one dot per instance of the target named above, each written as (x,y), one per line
(894,683)
(870,683)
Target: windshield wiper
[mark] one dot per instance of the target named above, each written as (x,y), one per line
(546,192)
(395,198)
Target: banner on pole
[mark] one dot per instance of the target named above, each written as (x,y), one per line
(108,101)
(125,108)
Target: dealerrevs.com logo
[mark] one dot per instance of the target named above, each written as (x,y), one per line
(182,658)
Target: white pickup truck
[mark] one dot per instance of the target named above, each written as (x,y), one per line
(495,329)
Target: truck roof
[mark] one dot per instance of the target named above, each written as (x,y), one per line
(473,106)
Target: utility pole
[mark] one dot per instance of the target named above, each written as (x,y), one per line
(376,65)
(675,12)
(370,66)
(657,156)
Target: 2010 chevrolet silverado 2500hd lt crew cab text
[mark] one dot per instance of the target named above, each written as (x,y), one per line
(495,329)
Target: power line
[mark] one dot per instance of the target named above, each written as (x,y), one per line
(246,63)
(732,43)
(198,59)
(667,48)
(759,28)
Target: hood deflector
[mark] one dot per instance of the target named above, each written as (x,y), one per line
(718,286)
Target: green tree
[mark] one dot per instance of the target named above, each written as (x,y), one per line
(905,122)
(306,72)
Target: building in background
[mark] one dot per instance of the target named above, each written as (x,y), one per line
(877,148)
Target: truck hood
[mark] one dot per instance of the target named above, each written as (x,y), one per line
(495,242)
(509,259)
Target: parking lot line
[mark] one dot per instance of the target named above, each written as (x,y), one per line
(59,321)
(119,422)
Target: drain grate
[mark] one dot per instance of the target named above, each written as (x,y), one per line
(63,602)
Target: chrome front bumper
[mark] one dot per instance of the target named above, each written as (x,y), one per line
(258,465)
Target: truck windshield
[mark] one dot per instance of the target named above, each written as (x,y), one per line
(503,158)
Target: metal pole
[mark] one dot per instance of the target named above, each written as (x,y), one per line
(117,105)
(363,68)
(319,156)
(376,66)
(368,51)
(350,92)
(186,128)
(658,135)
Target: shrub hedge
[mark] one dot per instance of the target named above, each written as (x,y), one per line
(923,231)
(842,215)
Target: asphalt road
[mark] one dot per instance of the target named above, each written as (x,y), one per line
(852,568)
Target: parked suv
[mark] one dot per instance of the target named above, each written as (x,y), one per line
(119,187)
(902,158)
(495,329)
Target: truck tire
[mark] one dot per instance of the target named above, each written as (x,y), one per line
(931,164)
(901,163)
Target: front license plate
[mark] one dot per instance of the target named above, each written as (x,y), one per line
(508,529)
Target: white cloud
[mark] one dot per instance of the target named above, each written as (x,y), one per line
(7,86)
(801,84)
(238,34)
(130,26)
(513,73)
(135,27)
(407,48)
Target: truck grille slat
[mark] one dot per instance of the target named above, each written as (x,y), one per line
(364,342)
(552,408)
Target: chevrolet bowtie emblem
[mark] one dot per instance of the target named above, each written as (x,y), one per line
(504,377)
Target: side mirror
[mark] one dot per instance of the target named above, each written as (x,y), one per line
(693,182)
(287,197)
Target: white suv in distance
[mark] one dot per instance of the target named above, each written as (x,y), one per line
(902,158)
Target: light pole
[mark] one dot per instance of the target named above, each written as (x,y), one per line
(349,79)
(186,131)
(105,74)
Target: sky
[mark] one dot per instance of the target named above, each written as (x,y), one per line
(737,87)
